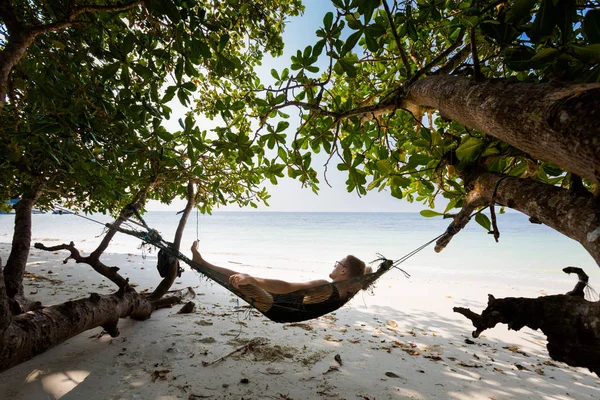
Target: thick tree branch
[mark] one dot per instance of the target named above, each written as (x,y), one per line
(33,333)
(110,273)
(574,214)
(549,121)
(473,201)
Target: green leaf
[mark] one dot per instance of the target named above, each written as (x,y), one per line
(127,44)
(589,53)
(547,54)
(274,74)
(384,166)
(470,149)
(223,41)
(327,21)
(484,221)
(350,42)
(371,42)
(430,213)
(282,126)
(545,20)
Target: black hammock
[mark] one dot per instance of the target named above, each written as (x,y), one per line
(289,307)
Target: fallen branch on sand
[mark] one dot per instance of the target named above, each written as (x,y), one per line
(570,322)
(247,346)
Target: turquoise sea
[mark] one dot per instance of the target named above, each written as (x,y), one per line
(314,241)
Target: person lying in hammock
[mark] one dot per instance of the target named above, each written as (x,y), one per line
(283,301)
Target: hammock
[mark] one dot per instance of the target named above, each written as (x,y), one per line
(289,307)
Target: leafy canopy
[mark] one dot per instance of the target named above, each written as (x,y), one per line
(85,111)
(367,50)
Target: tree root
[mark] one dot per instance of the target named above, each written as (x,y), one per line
(570,323)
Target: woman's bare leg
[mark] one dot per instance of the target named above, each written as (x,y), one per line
(257,297)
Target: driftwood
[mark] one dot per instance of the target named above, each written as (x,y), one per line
(570,322)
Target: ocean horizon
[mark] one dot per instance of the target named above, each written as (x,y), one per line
(312,241)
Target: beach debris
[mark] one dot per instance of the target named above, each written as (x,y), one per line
(338,358)
(354,340)
(244,348)
(285,396)
(245,381)
(306,327)
(434,358)
(499,370)
(32,277)
(199,396)
(188,308)
(159,374)
(516,349)
(330,338)
(464,364)
(332,368)
(392,375)
(412,352)
(390,323)
(469,341)
(550,364)
(521,368)
(207,340)
(412,344)
(204,323)
(540,371)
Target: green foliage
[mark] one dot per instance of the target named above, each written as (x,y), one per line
(86,107)
(367,54)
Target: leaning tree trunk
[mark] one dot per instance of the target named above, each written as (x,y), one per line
(575,214)
(33,333)
(550,121)
(19,253)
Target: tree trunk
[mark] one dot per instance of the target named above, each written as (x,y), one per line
(5,314)
(33,333)
(550,121)
(575,214)
(571,323)
(173,267)
(19,253)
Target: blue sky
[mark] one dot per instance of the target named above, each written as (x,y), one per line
(288,195)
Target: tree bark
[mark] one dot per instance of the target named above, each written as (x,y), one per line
(571,323)
(19,253)
(33,333)
(173,269)
(575,214)
(5,314)
(550,121)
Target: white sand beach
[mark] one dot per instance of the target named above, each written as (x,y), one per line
(403,342)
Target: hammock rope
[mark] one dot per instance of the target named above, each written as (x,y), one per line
(297,306)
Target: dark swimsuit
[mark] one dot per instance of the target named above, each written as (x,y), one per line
(290,307)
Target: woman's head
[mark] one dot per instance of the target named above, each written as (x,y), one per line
(348,267)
